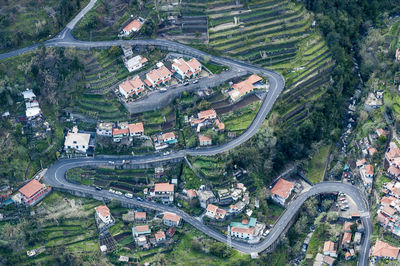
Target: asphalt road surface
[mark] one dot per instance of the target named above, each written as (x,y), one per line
(55,175)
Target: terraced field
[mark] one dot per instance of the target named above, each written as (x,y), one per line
(278,35)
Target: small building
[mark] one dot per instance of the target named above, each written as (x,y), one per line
(214,212)
(74,140)
(140,216)
(135,63)
(357,238)
(393,171)
(329,260)
(191,193)
(141,241)
(243,233)
(383,250)
(220,125)
(118,134)
(205,197)
(372,151)
(131,87)
(361,163)
(244,87)
(367,173)
(160,237)
(330,249)
(103,212)
(171,232)
(346,239)
(204,140)
(28,95)
(164,191)
(136,130)
(207,114)
(127,50)
(168,138)
(171,219)
(381,132)
(33,192)
(133,26)
(281,191)
(104,129)
(140,230)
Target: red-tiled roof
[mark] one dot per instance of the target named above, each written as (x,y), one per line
(163,187)
(347,226)
(329,246)
(142,228)
(103,210)
(369,169)
(168,135)
(207,114)
(382,249)
(203,138)
(212,208)
(191,193)
(31,188)
(117,131)
(133,24)
(140,215)
(393,170)
(249,230)
(361,162)
(159,235)
(171,217)
(388,210)
(136,128)
(346,238)
(282,188)
(194,64)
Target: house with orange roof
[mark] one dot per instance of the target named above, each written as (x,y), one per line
(281,191)
(393,171)
(135,63)
(169,138)
(215,212)
(191,193)
(158,77)
(189,69)
(32,192)
(372,151)
(347,226)
(140,230)
(171,219)
(136,129)
(160,237)
(346,240)
(367,174)
(133,26)
(164,192)
(118,134)
(220,125)
(381,132)
(104,214)
(245,87)
(131,87)
(361,163)
(383,250)
(205,140)
(388,211)
(140,216)
(330,249)
(392,154)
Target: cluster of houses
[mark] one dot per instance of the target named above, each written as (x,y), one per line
(32,105)
(392,160)
(157,77)
(143,236)
(350,244)
(238,90)
(120,131)
(204,119)
(368,150)
(389,208)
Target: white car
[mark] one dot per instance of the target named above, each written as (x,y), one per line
(118,192)
(111,190)
(129,195)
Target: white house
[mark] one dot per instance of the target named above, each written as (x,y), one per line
(281,191)
(76,141)
(214,212)
(164,191)
(367,174)
(242,233)
(136,130)
(159,76)
(133,26)
(130,87)
(135,63)
(103,212)
(188,69)
(104,129)
(28,95)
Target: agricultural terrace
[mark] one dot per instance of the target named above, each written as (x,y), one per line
(277,35)
(103,72)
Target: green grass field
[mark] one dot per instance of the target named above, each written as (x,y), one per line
(316,165)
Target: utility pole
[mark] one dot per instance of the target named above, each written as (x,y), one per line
(229,238)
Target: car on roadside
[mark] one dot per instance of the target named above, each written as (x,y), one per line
(111,190)
(139,199)
(195,81)
(129,195)
(304,247)
(97,188)
(118,193)
(186,83)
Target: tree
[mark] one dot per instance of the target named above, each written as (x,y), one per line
(114,51)
(203,105)
(327,204)
(332,217)
(220,250)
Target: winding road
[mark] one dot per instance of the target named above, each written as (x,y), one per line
(55,176)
